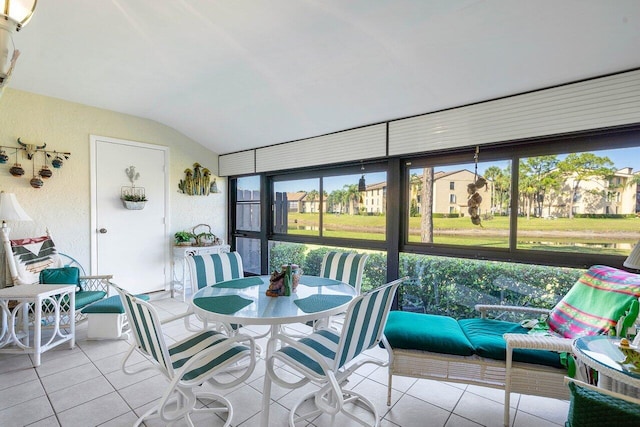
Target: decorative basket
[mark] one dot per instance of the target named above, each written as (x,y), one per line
(204,236)
(134,206)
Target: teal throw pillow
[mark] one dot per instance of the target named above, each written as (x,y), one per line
(61,276)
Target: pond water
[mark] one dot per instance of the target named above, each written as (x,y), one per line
(591,244)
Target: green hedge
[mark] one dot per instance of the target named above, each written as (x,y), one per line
(620,216)
(452,286)
(445,215)
(285,253)
(449,286)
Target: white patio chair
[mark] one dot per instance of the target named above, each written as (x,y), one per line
(348,267)
(187,364)
(207,270)
(327,357)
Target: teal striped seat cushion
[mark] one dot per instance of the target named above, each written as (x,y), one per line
(324,341)
(182,351)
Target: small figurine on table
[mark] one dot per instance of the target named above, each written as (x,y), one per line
(285,281)
(276,284)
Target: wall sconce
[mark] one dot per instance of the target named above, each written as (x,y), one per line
(16,14)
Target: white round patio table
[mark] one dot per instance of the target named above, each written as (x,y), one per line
(319,296)
(244,301)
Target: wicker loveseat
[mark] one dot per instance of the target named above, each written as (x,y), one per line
(37,260)
(504,355)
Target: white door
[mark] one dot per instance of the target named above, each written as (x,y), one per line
(130,244)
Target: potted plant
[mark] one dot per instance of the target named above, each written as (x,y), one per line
(205,239)
(134,201)
(183,238)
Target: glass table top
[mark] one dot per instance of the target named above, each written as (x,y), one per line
(603,352)
(245,301)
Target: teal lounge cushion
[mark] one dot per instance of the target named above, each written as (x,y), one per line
(84,298)
(486,337)
(416,331)
(113,304)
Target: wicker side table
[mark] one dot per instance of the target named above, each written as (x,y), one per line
(22,320)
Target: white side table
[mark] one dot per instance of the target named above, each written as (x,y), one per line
(178,284)
(22,324)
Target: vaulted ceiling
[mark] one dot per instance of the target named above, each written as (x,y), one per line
(239,74)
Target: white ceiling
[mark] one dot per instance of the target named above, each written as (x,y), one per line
(238,74)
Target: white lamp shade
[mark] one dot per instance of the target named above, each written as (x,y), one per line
(633,260)
(10,209)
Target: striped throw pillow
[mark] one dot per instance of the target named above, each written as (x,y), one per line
(595,303)
(32,255)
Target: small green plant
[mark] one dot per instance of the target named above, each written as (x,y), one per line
(134,198)
(204,237)
(183,236)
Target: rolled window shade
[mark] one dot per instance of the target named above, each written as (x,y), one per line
(239,163)
(357,144)
(602,102)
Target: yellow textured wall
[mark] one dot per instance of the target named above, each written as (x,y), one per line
(63,203)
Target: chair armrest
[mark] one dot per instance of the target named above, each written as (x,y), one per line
(484,308)
(175,317)
(96,283)
(538,342)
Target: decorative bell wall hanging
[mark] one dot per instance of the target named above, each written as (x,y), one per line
(475,198)
(33,152)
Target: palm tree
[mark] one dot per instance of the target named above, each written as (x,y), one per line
(426,206)
(351,194)
(312,196)
(335,201)
(493,173)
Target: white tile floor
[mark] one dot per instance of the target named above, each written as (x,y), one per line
(85,386)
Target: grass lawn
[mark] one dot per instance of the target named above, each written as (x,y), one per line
(534,233)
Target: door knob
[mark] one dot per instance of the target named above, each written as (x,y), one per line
(103,231)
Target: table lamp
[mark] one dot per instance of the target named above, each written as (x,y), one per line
(10,210)
(633,260)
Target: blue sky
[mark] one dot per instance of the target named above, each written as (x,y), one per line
(627,157)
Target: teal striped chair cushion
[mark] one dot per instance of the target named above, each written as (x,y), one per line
(210,269)
(363,328)
(186,364)
(145,326)
(184,350)
(324,341)
(344,266)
